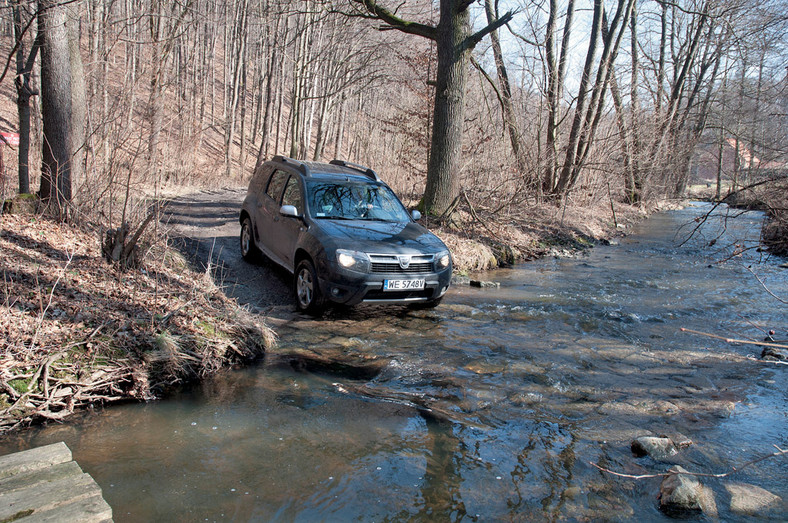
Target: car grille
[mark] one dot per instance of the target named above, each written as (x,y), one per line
(390,264)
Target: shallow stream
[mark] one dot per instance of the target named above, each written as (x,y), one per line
(491,407)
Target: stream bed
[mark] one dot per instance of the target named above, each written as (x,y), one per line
(495,406)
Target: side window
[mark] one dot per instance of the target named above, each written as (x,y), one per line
(293,196)
(258,180)
(276,184)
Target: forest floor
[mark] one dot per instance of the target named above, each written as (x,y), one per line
(76,331)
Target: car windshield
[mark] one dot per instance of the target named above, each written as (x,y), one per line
(354,201)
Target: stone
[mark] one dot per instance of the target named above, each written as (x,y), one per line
(21,204)
(660,449)
(680,494)
(485,284)
(679,440)
(750,500)
(774,354)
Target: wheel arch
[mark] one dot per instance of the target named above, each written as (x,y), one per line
(302,254)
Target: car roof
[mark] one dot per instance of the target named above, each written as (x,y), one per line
(332,170)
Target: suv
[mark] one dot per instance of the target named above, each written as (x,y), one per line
(343,234)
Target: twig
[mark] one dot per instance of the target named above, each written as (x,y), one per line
(780,452)
(476,216)
(49,302)
(773,295)
(612,207)
(734,340)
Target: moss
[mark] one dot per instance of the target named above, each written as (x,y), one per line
(21,204)
(17,516)
(207,328)
(20,385)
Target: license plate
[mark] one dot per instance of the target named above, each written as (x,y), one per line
(402,285)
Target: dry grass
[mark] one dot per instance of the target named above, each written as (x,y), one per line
(75,330)
(483,240)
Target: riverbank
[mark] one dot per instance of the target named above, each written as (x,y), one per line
(75,331)
(482,238)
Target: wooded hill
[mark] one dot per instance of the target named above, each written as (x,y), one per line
(571,103)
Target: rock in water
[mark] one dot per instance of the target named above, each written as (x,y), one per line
(750,500)
(660,449)
(680,494)
(774,354)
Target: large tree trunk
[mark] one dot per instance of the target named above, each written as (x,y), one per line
(55,107)
(455,41)
(443,173)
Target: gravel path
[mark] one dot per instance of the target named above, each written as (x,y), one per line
(205,227)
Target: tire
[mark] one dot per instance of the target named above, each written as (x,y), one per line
(249,250)
(306,289)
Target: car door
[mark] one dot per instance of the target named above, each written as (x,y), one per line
(289,228)
(269,219)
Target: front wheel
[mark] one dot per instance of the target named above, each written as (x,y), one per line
(306,289)
(249,250)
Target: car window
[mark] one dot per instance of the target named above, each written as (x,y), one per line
(292,195)
(355,201)
(276,184)
(259,178)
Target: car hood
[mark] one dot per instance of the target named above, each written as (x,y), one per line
(379,237)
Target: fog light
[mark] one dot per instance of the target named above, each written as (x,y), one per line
(335,291)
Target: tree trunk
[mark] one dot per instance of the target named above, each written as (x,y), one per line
(55,189)
(455,41)
(555,83)
(78,98)
(24,90)
(443,172)
(507,107)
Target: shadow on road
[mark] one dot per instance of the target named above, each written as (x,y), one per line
(204,227)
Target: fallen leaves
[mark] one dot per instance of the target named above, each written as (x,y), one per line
(75,331)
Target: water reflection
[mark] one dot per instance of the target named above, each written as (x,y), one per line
(490,407)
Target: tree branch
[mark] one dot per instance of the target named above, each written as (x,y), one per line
(780,452)
(383,14)
(475,38)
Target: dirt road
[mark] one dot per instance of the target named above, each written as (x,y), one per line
(205,227)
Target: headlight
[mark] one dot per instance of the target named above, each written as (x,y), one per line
(444,259)
(353,260)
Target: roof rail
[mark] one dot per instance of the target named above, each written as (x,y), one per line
(301,166)
(362,169)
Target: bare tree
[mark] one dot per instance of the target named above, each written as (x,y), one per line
(455,40)
(23,19)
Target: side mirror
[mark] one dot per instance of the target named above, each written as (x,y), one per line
(416,215)
(289,210)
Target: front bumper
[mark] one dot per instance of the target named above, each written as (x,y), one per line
(351,288)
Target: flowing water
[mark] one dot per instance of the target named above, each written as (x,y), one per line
(494,406)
